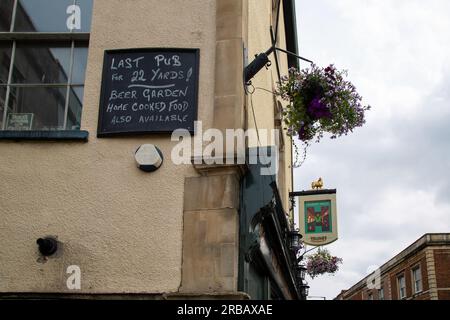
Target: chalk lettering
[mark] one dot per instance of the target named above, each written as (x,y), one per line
(168,75)
(153,106)
(150,94)
(116,107)
(161,118)
(171,61)
(127,63)
(118,95)
(148,90)
(121,119)
(117,77)
(176,106)
(155,73)
(138,76)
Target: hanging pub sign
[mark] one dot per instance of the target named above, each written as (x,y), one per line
(148,91)
(317,216)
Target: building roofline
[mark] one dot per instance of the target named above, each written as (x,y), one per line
(428,239)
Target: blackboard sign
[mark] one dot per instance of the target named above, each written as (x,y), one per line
(148,91)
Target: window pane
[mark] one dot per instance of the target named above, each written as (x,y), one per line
(5,60)
(2,103)
(417,275)
(401,285)
(6,8)
(79,64)
(36,108)
(2,95)
(42,15)
(41,63)
(53,16)
(86,15)
(75,106)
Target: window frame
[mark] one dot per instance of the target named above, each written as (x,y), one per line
(414,280)
(381,293)
(76,40)
(401,276)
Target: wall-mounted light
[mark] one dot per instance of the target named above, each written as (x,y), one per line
(301,271)
(294,239)
(304,289)
(47,246)
(261,60)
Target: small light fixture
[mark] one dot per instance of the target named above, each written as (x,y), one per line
(261,61)
(301,271)
(294,239)
(47,246)
(304,290)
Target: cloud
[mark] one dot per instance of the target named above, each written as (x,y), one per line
(392,175)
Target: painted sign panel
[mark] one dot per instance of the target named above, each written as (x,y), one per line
(317,217)
(19,121)
(148,91)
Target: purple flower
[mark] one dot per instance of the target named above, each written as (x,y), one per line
(318,110)
(302,134)
(316,94)
(330,69)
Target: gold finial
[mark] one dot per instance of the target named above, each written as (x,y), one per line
(317,184)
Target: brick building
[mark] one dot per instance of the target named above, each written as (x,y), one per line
(420,272)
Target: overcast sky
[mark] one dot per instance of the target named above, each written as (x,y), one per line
(392,175)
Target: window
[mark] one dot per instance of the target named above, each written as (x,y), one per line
(401,287)
(276,12)
(370,296)
(43,56)
(381,294)
(417,279)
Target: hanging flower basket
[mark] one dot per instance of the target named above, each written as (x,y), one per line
(321,100)
(322,262)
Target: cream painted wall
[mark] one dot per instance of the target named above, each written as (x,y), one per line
(122,227)
(261,15)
